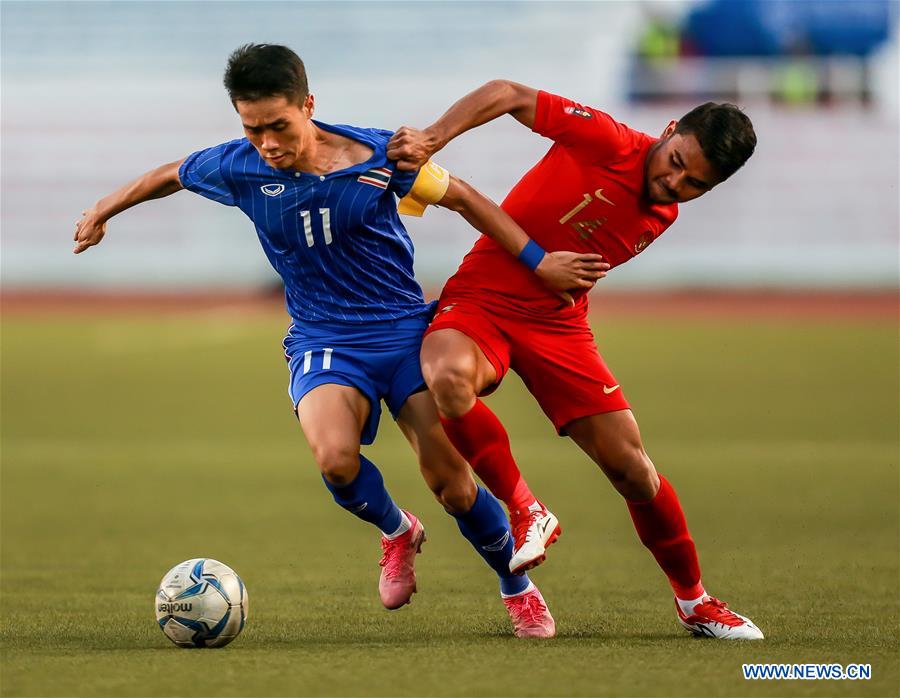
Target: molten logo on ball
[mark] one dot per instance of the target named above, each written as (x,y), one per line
(201,603)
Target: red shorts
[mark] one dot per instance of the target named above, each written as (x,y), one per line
(556,357)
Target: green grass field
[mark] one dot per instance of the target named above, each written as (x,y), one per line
(130,444)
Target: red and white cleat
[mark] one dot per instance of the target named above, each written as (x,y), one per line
(534,530)
(529,614)
(713,618)
(398,572)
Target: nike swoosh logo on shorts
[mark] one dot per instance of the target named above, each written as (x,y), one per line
(607,390)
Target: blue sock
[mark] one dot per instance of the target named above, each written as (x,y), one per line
(486,527)
(367,498)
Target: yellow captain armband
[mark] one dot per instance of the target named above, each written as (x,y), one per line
(430,186)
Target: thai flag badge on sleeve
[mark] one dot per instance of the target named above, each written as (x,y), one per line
(377,177)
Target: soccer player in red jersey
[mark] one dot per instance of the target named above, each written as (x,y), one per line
(601,188)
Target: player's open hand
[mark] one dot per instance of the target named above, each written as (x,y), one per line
(89,231)
(568,272)
(411,147)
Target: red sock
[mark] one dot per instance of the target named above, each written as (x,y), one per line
(661,527)
(481,439)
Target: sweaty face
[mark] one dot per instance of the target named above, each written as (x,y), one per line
(677,170)
(276,127)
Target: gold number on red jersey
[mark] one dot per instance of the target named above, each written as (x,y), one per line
(587,198)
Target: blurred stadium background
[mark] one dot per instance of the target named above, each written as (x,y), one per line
(132,440)
(96,93)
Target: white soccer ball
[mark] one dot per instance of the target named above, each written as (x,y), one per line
(201,603)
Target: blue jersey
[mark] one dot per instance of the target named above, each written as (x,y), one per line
(336,239)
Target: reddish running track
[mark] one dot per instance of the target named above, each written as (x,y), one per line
(794,306)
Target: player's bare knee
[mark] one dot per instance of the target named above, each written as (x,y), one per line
(451,482)
(630,470)
(457,497)
(643,484)
(340,473)
(640,481)
(453,388)
(338,463)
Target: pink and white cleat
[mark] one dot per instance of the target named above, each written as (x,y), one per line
(534,530)
(398,572)
(529,614)
(713,618)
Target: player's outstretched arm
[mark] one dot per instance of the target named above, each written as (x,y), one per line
(561,272)
(412,148)
(155,184)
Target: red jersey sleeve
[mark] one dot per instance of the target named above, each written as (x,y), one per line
(591,132)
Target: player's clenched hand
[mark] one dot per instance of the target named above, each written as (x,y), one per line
(89,231)
(564,272)
(411,147)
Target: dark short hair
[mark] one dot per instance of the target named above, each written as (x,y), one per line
(725,134)
(258,71)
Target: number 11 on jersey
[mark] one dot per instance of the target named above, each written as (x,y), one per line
(326,226)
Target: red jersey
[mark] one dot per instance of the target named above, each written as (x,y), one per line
(585,195)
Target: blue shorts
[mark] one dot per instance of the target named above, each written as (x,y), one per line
(380,359)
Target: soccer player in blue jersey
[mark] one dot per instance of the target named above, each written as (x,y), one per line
(323,199)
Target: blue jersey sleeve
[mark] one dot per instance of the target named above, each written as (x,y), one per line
(203,173)
(401,180)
